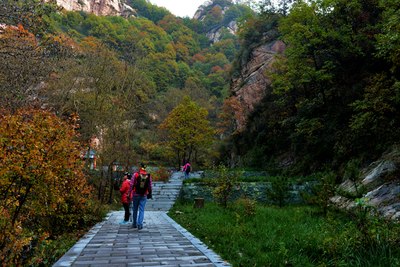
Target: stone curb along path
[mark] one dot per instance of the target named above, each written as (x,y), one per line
(161,242)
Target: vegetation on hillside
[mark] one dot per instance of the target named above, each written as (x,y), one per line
(335,91)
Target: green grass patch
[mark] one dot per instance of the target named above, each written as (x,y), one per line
(248,234)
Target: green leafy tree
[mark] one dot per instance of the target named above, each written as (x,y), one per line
(322,191)
(376,115)
(187,129)
(148,10)
(278,191)
(375,119)
(388,44)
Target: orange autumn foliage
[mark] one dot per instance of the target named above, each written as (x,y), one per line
(215,69)
(199,57)
(231,116)
(43,191)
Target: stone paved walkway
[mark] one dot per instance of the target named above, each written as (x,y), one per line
(161,242)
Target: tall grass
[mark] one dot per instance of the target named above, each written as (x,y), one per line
(248,234)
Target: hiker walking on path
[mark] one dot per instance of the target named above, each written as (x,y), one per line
(186,169)
(125,197)
(141,186)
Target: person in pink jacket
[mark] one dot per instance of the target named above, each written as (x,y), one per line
(141,186)
(125,197)
(187,168)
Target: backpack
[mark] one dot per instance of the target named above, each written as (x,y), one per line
(142,183)
(188,168)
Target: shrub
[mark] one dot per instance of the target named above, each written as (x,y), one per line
(244,208)
(279,190)
(13,239)
(224,183)
(322,191)
(161,174)
(352,172)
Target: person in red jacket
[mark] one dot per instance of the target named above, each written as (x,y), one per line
(141,186)
(125,197)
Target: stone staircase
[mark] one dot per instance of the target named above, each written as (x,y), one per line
(165,194)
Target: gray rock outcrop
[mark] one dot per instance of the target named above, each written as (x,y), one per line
(99,7)
(215,33)
(379,185)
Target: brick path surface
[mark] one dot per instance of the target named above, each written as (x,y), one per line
(161,242)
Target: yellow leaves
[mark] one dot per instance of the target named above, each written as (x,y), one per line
(148,146)
(12,237)
(90,44)
(40,167)
(187,127)
(216,12)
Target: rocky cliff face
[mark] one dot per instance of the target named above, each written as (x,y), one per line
(98,7)
(215,33)
(250,86)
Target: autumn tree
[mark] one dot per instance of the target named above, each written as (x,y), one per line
(188,130)
(43,191)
